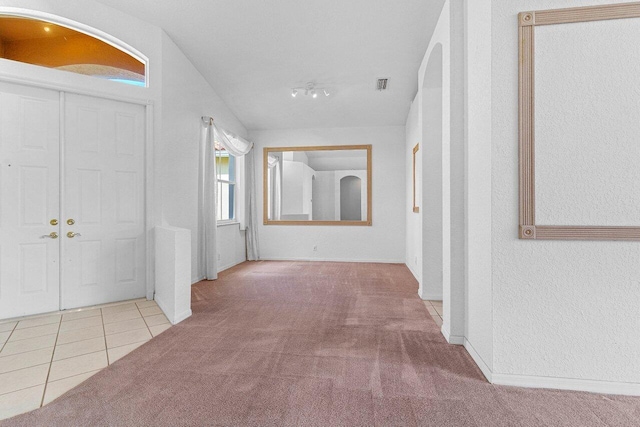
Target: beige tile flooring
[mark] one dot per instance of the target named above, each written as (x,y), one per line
(435,310)
(42,357)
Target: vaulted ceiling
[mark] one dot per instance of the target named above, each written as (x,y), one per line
(253,52)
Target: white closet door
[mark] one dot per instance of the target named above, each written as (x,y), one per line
(29,200)
(104,198)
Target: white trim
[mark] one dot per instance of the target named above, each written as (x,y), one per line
(374,261)
(68,88)
(415,275)
(224,223)
(197,279)
(592,386)
(432,297)
(484,368)
(451,339)
(178,318)
(62,99)
(220,270)
(182,316)
(83,28)
(228,266)
(149,189)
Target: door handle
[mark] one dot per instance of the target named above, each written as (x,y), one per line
(71,234)
(52,235)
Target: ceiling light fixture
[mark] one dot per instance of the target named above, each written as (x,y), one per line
(310,88)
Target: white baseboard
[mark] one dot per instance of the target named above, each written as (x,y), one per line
(220,270)
(593,386)
(451,339)
(486,371)
(432,297)
(374,261)
(182,316)
(178,317)
(196,280)
(415,275)
(228,266)
(162,306)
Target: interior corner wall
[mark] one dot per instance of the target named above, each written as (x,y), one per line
(563,311)
(443,169)
(479,304)
(186,97)
(384,241)
(413,132)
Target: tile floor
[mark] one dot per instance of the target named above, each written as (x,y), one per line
(435,310)
(42,357)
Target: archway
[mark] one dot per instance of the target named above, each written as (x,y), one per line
(350,198)
(435,191)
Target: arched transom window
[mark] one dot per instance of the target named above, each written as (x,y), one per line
(38,42)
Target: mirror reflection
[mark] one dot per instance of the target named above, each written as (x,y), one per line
(317,184)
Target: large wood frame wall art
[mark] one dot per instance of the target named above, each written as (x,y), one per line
(527,23)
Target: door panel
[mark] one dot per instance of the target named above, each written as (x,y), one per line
(104,195)
(29,200)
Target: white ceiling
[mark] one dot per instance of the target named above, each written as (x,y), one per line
(253,52)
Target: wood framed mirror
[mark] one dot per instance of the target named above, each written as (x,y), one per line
(579,123)
(317,185)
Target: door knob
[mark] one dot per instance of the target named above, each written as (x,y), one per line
(52,235)
(71,234)
(53,222)
(70,221)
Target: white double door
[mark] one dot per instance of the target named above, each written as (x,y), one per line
(72,190)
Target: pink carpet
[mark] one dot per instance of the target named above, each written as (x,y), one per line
(313,344)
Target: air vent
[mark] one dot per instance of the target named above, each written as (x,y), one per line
(382,84)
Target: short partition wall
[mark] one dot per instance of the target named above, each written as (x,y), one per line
(173,272)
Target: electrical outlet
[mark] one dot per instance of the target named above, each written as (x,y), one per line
(315,248)
(219,257)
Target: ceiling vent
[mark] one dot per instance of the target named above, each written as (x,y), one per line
(382,84)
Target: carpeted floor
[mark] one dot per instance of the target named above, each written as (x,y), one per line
(313,344)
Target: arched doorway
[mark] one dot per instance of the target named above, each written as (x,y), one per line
(350,199)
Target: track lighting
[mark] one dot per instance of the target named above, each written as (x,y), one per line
(310,88)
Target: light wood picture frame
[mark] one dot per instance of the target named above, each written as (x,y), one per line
(527,23)
(265,167)
(416,208)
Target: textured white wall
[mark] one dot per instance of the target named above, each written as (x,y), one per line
(588,124)
(479,308)
(565,309)
(434,115)
(384,241)
(186,97)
